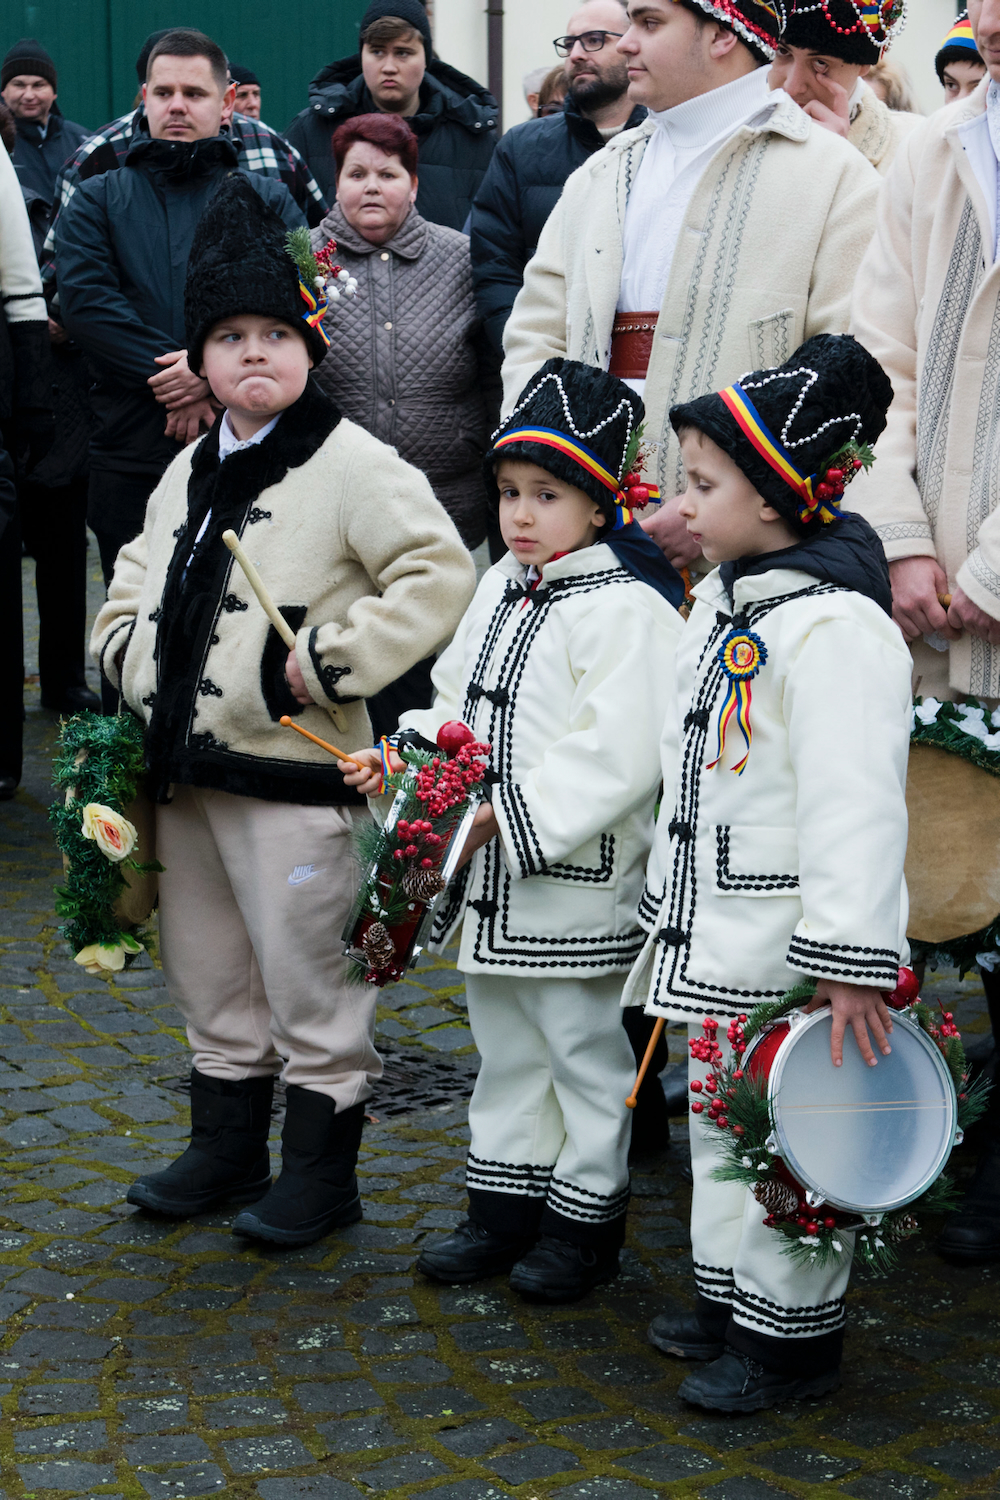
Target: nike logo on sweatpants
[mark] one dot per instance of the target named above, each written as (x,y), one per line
(302,873)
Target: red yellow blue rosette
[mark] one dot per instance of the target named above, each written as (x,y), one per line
(317,304)
(741,656)
(549,437)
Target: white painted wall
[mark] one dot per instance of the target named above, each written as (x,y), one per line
(530,25)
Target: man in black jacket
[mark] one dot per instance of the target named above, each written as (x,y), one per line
(533,160)
(453,118)
(44,137)
(122,244)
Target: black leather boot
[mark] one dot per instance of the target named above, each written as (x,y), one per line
(735,1382)
(557,1270)
(472,1253)
(227,1160)
(685,1336)
(317,1190)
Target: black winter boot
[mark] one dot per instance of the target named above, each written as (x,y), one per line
(688,1336)
(317,1190)
(558,1270)
(227,1160)
(472,1253)
(735,1382)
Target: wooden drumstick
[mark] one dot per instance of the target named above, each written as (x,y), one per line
(944,600)
(288,723)
(268,605)
(633,1098)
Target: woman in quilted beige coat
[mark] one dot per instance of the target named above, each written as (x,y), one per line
(408,360)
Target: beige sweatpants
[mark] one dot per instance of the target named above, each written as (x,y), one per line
(253,900)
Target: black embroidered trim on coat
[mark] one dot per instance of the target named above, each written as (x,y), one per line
(126,624)
(649,905)
(526,1178)
(587,874)
(231,604)
(731,880)
(328,676)
(875,966)
(575,1202)
(715,1283)
(256,514)
(787,1322)
(208,689)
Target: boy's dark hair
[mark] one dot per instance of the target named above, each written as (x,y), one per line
(185,43)
(388,21)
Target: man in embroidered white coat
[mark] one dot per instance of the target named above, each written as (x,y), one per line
(712,238)
(927,305)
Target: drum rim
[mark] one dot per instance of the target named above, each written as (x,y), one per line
(797,1029)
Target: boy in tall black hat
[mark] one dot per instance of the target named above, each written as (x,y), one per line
(563,664)
(254,823)
(784,852)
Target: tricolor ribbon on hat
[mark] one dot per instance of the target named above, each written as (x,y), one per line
(741,656)
(317,303)
(582,455)
(960,35)
(760,436)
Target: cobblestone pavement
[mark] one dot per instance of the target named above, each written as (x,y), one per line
(147,1358)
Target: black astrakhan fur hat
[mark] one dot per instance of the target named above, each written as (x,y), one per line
(586,423)
(239,264)
(856,31)
(801,430)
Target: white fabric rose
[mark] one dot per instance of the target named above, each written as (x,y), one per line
(114,835)
(108,958)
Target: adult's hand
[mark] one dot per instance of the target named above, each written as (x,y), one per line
(57,333)
(858,1006)
(484,828)
(916,584)
(184,422)
(832,109)
(669,532)
(176,384)
(964,615)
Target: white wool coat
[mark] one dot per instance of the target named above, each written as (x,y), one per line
(878,131)
(794,867)
(767,255)
(20,283)
(571,684)
(927,305)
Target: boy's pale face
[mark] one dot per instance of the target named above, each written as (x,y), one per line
(257,367)
(541,515)
(723,512)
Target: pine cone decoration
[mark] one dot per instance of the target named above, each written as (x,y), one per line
(776,1196)
(379,948)
(422,885)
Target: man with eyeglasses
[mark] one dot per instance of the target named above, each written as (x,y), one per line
(533,160)
(713,238)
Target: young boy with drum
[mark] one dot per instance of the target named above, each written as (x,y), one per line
(783,854)
(564,665)
(254,826)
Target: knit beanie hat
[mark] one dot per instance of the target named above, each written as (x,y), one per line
(242,76)
(958,46)
(856,31)
(411,11)
(583,426)
(142,61)
(756,22)
(27,58)
(800,431)
(244,260)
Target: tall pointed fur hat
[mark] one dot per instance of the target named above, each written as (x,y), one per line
(244,260)
(799,431)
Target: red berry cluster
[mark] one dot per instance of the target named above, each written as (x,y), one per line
(446,783)
(706,1049)
(831,486)
(943,1033)
(324,259)
(635,493)
(802,1219)
(416,839)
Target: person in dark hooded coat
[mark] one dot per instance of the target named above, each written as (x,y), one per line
(454,118)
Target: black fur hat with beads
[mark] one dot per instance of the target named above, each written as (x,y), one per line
(802,430)
(856,31)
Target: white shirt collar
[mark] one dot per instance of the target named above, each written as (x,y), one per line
(230,443)
(699,121)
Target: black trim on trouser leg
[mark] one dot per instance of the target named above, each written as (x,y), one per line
(604,1238)
(506,1213)
(797,1357)
(714,1317)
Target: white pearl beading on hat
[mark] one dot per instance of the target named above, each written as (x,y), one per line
(810,379)
(582,433)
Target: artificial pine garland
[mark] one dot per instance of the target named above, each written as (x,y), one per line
(99,766)
(739,1109)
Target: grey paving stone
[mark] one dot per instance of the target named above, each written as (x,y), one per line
(425,1016)
(99,1194)
(447,1038)
(68,1437)
(31,1130)
(445,1401)
(58,1400)
(229,1381)
(807,1464)
(76,1117)
(12,1302)
(26,1101)
(576,1334)
(225,1273)
(602,1488)
(359,1434)
(960,1460)
(410,1468)
(337,1396)
(245,1411)
(472,1302)
(317,1362)
(474,1337)
(128,1289)
(887,1485)
(537,1462)
(195,1479)
(409,1341)
(410,1371)
(201,1300)
(382,1312)
(747,1487)
(167,1450)
(468,1489)
(952,1406)
(611,1432)
(251,1455)
(44,1344)
(477,1438)
(552,1402)
(620,1369)
(42,1283)
(321,1488)
(325,1336)
(667,1462)
(69,1253)
(157,1414)
(516,1371)
(71,1314)
(441,1218)
(65,1474)
(144,1108)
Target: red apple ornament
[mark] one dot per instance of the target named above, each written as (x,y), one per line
(906,992)
(453,735)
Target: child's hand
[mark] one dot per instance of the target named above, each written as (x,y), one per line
(296,681)
(369,781)
(484,828)
(858,1006)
